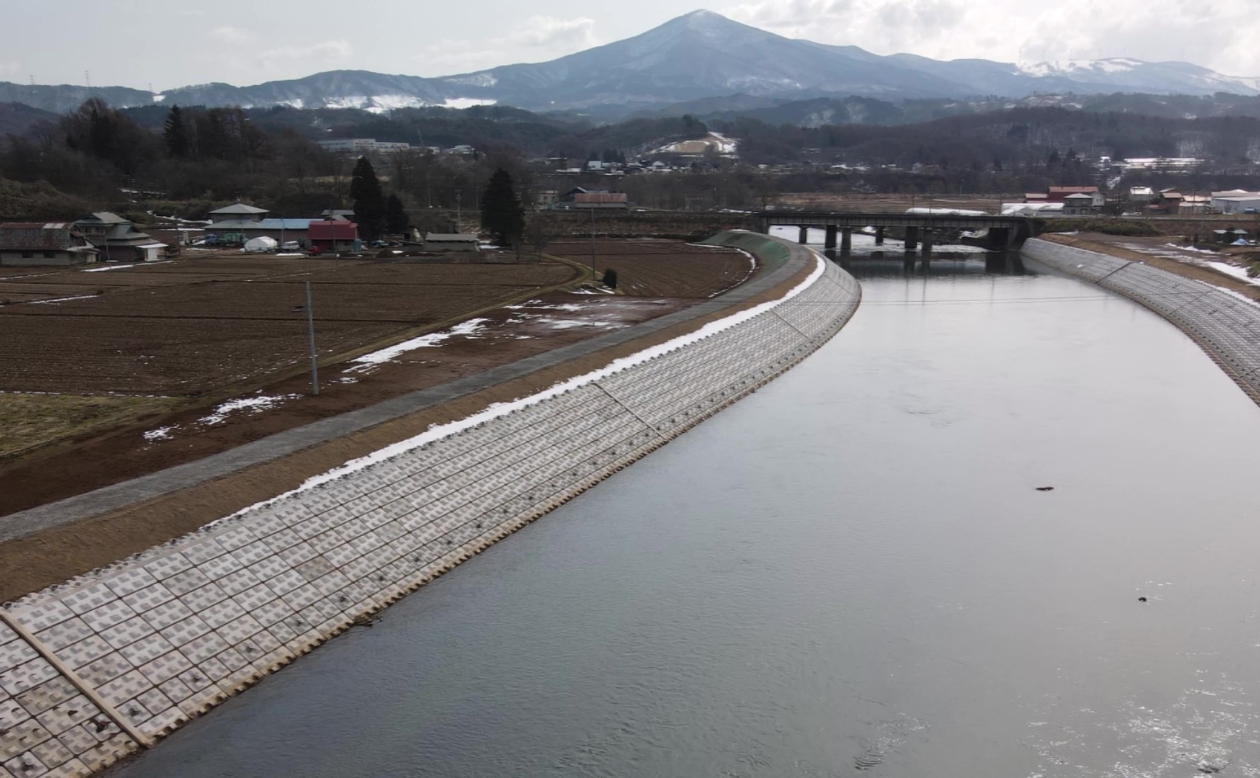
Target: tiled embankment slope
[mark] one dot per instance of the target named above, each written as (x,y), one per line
(109,662)
(1225,326)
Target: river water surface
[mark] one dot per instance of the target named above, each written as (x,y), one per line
(850,570)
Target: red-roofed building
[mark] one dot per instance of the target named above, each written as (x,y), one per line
(1057,194)
(601,200)
(333,236)
(34,244)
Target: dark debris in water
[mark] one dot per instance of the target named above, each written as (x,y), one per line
(1045,488)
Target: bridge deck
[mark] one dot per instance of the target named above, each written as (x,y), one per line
(922,220)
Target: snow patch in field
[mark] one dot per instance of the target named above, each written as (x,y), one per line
(161,433)
(106,268)
(254,404)
(62,299)
(569,324)
(497,410)
(367,362)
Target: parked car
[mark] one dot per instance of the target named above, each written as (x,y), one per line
(290,245)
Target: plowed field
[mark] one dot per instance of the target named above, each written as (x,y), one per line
(660,268)
(189,326)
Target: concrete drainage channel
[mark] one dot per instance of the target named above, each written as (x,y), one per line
(108,663)
(1226,327)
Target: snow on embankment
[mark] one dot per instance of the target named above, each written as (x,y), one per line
(276,579)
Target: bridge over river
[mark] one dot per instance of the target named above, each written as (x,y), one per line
(1004,231)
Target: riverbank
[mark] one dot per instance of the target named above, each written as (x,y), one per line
(1223,322)
(166,634)
(1108,244)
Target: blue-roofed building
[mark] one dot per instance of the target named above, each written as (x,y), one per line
(232,232)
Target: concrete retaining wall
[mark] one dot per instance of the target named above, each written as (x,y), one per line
(107,663)
(1225,326)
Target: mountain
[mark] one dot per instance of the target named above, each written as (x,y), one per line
(65,97)
(695,57)
(17,118)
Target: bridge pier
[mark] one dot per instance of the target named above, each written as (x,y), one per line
(879,236)
(804,236)
(846,239)
(927,242)
(912,238)
(830,241)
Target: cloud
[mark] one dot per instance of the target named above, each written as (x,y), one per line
(538,39)
(323,51)
(230,35)
(10,68)
(547,32)
(1219,35)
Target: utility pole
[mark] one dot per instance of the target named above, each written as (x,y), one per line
(310,329)
(459,212)
(592,242)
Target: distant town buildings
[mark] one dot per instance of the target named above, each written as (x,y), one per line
(362,146)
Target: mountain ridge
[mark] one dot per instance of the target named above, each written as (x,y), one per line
(698,56)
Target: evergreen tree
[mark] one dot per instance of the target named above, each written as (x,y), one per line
(501,213)
(175,133)
(369,200)
(396,218)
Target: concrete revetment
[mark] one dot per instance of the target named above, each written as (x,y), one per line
(1225,326)
(105,664)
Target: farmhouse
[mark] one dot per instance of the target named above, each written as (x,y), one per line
(435,241)
(1059,194)
(239,212)
(33,244)
(1078,204)
(118,239)
(329,237)
(232,232)
(601,201)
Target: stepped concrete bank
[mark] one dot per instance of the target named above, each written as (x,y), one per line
(1224,325)
(108,663)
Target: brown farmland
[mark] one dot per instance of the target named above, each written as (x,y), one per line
(191,326)
(661,268)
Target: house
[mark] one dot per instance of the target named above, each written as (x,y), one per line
(331,237)
(1141,194)
(1078,204)
(547,198)
(434,241)
(239,212)
(1059,194)
(339,214)
(1235,201)
(601,200)
(235,232)
(35,244)
(1167,201)
(1035,197)
(1191,204)
(118,239)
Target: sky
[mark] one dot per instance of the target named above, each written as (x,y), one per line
(169,43)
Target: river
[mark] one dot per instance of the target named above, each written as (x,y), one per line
(851,569)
